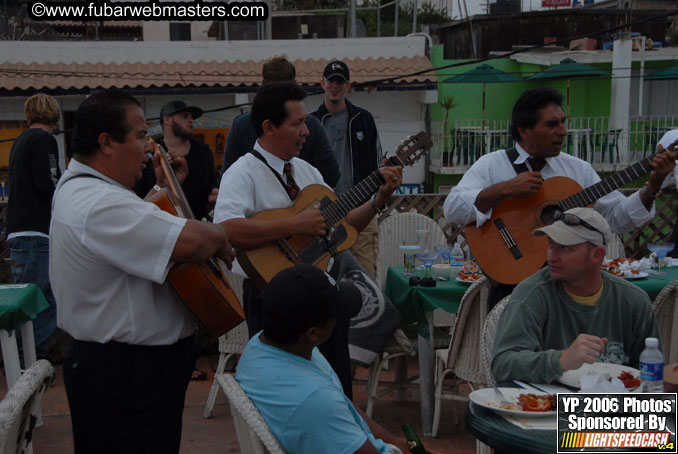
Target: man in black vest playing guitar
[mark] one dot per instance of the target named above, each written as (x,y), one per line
(539,130)
(272,176)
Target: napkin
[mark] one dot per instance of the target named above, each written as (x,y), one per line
(601,383)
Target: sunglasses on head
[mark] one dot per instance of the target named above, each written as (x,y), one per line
(574,220)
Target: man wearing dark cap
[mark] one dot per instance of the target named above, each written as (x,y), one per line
(176,120)
(355,141)
(571,312)
(290,381)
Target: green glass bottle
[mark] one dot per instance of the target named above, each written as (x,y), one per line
(413,441)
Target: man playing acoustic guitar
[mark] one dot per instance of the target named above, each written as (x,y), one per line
(132,353)
(272,176)
(538,128)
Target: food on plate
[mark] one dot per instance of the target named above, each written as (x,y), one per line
(629,380)
(470,272)
(534,402)
(622,267)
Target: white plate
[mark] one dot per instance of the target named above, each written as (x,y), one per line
(459,279)
(640,275)
(487,398)
(571,377)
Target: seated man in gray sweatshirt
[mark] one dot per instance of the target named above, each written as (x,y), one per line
(571,312)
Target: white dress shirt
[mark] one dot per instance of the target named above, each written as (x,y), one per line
(622,213)
(109,255)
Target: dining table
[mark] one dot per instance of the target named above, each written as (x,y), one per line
(19,305)
(417,304)
(505,437)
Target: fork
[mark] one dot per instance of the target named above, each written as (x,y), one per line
(500,394)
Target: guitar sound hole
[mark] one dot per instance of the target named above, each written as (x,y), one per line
(548,214)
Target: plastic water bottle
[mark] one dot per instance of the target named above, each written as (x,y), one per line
(457,256)
(652,367)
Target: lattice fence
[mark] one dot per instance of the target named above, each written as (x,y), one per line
(660,229)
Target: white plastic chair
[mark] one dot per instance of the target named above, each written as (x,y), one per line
(461,360)
(398,228)
(230,344)
(489,333)
(254,435)
(666,310)
(20,409)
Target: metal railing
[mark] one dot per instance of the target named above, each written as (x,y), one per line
(598,140)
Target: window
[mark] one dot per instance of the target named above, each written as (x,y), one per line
(180,32)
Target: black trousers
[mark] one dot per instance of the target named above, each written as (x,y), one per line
(334,349)
(127,398)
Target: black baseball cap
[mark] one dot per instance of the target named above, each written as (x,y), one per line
(336,68)
(176,106)
(303,296)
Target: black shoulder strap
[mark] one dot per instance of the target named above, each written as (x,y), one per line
(83,175)
(277,175)
(512,154)
(79,175)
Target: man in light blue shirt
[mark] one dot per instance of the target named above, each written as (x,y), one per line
(290,381)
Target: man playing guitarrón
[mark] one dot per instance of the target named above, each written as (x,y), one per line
(272,177)
(538,127)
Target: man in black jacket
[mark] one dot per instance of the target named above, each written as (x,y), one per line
(354,138)
(33,174)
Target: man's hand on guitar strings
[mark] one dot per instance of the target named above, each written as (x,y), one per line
(179,166)
(524,184)
(309,221)
(226,252)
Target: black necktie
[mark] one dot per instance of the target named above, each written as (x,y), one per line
(292,187)
(536,163)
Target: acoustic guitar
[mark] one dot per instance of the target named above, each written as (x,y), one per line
(202,287)
(504,246)
(264,262)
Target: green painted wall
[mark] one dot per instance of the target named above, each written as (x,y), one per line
(588,97)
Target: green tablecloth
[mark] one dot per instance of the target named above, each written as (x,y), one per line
(20,303)
(654,283)
(414,302)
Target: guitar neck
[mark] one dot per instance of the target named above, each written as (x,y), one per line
(357,195)
(589,195)
(174,184)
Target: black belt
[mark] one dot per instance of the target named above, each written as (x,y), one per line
(114,345)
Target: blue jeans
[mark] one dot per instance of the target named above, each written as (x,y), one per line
(29,258)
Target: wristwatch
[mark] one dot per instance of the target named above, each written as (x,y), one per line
(373,204)
(650,196)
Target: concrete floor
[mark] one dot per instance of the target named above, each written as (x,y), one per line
(217,434)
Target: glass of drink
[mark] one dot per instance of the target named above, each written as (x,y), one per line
(427,258)
(661,249)
(409,250)
(445,252)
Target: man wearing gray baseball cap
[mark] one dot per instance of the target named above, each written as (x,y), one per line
(571,312)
